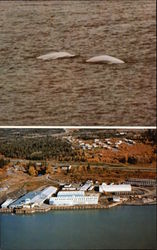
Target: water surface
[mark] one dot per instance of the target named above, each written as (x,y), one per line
(70,92)
(127,227)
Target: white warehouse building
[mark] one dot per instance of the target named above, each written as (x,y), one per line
(72,198)
(35,198)
(7,203)
(70,193)
(86,186)
(112,188)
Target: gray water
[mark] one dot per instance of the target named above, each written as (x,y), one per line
(70,92)
(117,228)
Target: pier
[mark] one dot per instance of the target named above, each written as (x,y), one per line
(47,208)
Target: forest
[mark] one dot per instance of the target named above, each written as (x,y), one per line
(32,145)
(39,149)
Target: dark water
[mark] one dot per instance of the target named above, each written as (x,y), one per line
(70,92)
(117,228)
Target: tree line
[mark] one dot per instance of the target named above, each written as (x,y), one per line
(39,149)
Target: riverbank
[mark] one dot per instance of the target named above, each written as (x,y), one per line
(47,208)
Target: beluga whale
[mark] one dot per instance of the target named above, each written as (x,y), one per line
(104,59)
(55,55)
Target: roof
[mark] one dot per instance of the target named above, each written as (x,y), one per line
(85,186)
(115,188)
(70,193)
(7,203)
(35,197)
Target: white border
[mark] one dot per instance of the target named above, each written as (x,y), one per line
(79,127)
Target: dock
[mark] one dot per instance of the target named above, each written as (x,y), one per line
(47,208)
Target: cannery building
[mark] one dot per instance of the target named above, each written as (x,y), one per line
(112,188)
(35,198)
(72,198)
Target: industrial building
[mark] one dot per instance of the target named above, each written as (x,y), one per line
(116,198)
(7,203)
(35,198)
(113,188)
(86,186)
(68,187)
(71,198)
(141,182)
(71,193)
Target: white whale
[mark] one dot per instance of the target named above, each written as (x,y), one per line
(55,55)
(104,59)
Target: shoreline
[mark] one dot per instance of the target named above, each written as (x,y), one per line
(77,207)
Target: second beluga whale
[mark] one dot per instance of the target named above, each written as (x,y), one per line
(104,59)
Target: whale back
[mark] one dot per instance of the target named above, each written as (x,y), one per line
(104,59)
(55,55)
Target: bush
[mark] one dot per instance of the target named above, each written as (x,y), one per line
(3,162)
(132,160)
(32,171)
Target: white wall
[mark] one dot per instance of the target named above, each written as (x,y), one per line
(71,201)
(70,193)
(115,188)
(7,203)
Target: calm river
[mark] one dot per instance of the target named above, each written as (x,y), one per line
(70,91)
(127,227)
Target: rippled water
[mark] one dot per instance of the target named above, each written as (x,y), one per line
(116,228)
(69,91)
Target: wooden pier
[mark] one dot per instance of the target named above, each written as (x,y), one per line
(46,208)
(6,210)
